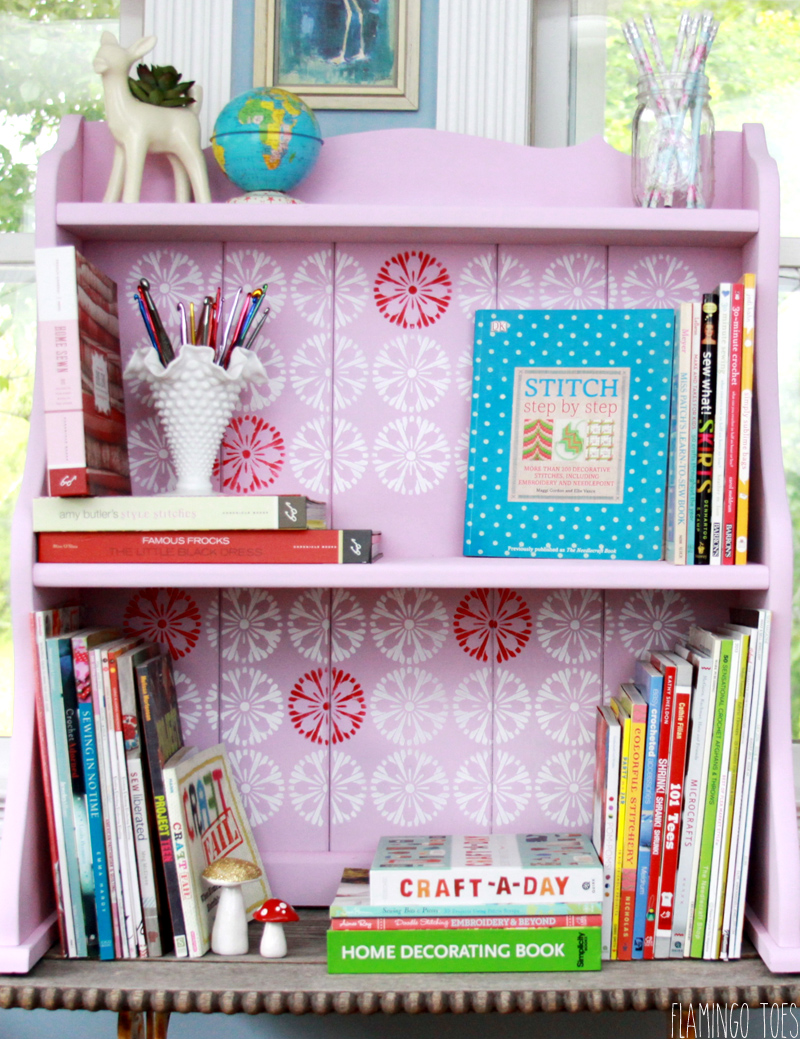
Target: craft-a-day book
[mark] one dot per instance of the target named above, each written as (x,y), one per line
(84,403)
(498,868)
(569,433)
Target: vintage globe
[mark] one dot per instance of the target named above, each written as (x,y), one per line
(266,139)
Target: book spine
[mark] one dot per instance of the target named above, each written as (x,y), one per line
(105,929)
(683,424)
(366,909)
(694,406)
(166,854)
(694,798)
(705,428)
(732,438)
(461,923)
(659,806)
(633,809)
(164,512)
(232,546)
(609,737)
(144,855)
(672,821)
(720,422)
(619,850)
(746,416)
(469,885)
(651,689)
(189,896)
(714,792)
(44,731)
(387,952)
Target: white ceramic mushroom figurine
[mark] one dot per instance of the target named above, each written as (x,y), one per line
(229,934)
(273,914)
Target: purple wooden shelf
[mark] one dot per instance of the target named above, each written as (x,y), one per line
(454,572)
(428,223)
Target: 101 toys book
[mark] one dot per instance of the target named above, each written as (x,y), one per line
(569,434)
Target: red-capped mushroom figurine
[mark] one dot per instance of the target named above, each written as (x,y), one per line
(273,914)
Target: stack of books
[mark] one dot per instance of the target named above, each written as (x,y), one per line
(128,844)
(527,902)
(265,528)
(676,769)
(708,495)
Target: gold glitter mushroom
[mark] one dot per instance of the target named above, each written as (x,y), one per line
(231,871)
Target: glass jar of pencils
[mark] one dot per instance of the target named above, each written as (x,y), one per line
(673,142)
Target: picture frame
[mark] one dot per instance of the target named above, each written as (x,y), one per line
(350,54)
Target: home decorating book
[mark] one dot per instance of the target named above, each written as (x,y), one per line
(569,433)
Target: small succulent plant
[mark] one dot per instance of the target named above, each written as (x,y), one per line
(161,85)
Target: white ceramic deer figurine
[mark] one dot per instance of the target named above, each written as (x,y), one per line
(139,128)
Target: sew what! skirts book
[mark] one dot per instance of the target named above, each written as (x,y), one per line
(569,434)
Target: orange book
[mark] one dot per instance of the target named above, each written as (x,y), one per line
(745,416)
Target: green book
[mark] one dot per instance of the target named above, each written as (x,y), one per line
(460,952)
(701,639)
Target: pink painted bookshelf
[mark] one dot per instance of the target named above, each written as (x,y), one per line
(427,692)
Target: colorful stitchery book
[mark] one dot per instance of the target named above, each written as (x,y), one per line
(499,868)
(87,446)
(569,433)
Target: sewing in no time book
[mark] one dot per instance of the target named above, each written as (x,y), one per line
(569,433)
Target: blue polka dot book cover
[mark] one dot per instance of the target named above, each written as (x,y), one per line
(569,434)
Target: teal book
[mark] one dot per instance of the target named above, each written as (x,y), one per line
(448,952)
(569,434)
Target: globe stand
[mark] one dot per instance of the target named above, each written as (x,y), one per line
(271,197)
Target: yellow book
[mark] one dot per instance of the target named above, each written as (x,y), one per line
(621,805)
(745,416)
(633,707)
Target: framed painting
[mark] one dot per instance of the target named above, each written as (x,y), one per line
(340,53)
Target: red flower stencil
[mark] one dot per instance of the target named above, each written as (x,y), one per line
(313,707)
(413,289)
(165,615)
(499,628)
(252,455)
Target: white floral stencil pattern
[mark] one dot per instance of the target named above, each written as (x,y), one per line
(173,278)
(211,624)
(412,289)
(308,787)
(659,280)
(151,466)
(409,706)
(566,705)
(309,624)
(464,373)
(250,269)
(251,706)
(257,395)
(512,788)
(409,625)
(411,373)
(349,372)
(311,372)
(260,784)
(569,625)
(348,787)
(411,455)
(348,624)
(461,455)
(477,285)
(409,788)
(311,455)
(489,715)
(312,288)
(352,288)
(472,788)
(194,705)
(576,281)
(250,624)
(564,787)
(653,619)
(515,287)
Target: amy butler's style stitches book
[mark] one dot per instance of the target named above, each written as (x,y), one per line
(569,434)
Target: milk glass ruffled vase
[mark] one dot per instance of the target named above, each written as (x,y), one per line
(673,142)
(195,399)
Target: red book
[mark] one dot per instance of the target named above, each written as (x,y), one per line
(679,740)
(84,402)
(668,669)
(219,546)
(730,499)
(459,923)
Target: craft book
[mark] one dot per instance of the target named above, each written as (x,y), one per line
(569,433)
(499,868)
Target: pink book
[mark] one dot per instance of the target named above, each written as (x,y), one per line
(730,499)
